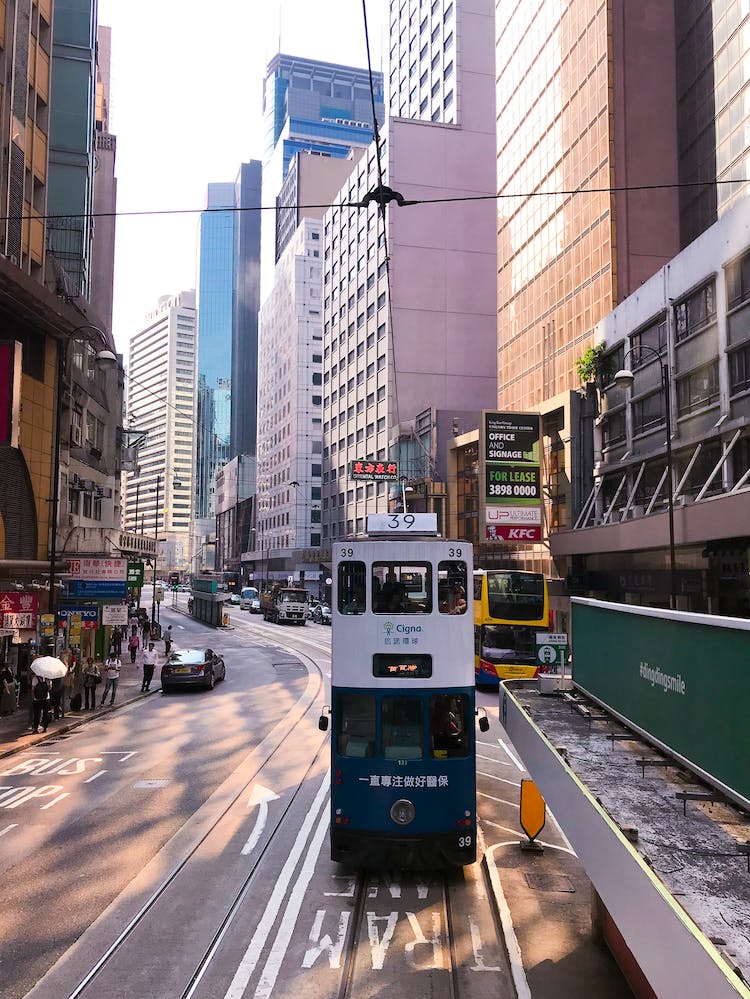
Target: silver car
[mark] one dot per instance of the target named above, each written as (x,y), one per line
(192,668)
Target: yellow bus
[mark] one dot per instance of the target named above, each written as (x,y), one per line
(510,606)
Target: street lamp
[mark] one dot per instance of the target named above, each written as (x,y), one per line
(104,356)
(156,547)
(296,508)
(624,379)
(404,490)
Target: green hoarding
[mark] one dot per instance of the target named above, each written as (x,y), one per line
(680,678)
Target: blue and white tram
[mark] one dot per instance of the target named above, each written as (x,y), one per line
(403,772)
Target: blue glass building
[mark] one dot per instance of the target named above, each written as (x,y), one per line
(215,317)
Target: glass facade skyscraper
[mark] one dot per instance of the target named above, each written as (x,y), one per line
(215,314)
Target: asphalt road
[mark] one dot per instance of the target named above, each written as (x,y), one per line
(180,848)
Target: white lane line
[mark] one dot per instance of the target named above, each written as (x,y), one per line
(511,940)
(127,756)
(93,778)
(502,801)
(496,825)
(513,783)
(491,759)
(7,829)
(514,842)
(510,754)
(255,947)
(291,913)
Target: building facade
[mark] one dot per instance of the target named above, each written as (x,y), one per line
(290,398)
(161,393)
(585,218)
(685,335)
(215,295)
(409,306)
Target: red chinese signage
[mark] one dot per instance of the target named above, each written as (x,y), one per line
(10,388)
(25,605)
(374,471)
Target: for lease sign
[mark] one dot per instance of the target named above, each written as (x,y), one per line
(511,449)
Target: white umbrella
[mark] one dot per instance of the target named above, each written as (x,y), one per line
(50,667)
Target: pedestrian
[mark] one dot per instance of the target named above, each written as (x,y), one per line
(7,691)
(112,672)
(150,658)
(56,697)
(146,632)
(92,677)
(168,641)
(40,697)
(117,641)
(134,644)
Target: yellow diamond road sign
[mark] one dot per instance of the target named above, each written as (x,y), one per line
(533,809)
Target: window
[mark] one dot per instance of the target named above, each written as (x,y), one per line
(700,388)
(452,587)
(355,731)
(381,331)
(695,312)
(317,378)
(655,336)
(402,728)
(613,428)
(449,726)
(738,281)
(371,310)
(739,370)
(401,588)
(648,412)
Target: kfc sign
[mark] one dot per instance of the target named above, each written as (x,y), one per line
(502,532)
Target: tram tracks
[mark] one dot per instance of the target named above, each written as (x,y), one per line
(179,876)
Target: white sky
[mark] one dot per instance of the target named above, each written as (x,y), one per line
(186,107)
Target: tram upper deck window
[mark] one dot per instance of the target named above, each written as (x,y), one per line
(452,587)
(351,595)
(449,726)
(403,728)
(356,725)
(401,588)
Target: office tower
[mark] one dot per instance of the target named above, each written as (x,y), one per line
(215,292)
(71,145)
(400,355)
(290,398)
(319,107)
(601,114)
(161,396)
(105,187)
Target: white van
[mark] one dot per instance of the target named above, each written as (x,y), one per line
(247,595)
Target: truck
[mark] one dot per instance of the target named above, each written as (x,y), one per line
(284,605)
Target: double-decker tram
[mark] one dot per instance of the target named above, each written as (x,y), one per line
(403,768)
(510,607)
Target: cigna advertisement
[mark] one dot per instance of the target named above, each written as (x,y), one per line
(511,448)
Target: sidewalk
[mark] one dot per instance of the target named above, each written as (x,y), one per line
(15,729)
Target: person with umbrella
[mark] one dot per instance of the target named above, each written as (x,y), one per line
(45,669)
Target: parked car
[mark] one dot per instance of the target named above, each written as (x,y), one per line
(192,667)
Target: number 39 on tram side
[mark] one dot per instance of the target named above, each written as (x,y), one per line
(403,757)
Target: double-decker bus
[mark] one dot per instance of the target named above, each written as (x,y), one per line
(403,748)
(510,607)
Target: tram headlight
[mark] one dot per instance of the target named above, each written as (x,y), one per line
(403,812)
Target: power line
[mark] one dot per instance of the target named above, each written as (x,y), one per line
(402,202)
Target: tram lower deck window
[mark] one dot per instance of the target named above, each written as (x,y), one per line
(402,728)
(356,725)
(449,726)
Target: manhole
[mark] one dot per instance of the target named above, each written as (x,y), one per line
(549,882)
(153,783)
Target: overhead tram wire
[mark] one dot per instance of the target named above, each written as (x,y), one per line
(390,195)
(382,195)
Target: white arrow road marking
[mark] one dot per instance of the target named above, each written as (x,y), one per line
(8,828)
(259,796)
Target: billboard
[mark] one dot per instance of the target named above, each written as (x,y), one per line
(373,471)
(511,452)
(113,569)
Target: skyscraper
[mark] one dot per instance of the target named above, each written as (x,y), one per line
(161,403)
(215,293)
(398,352)
(319,107)
(244,377)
